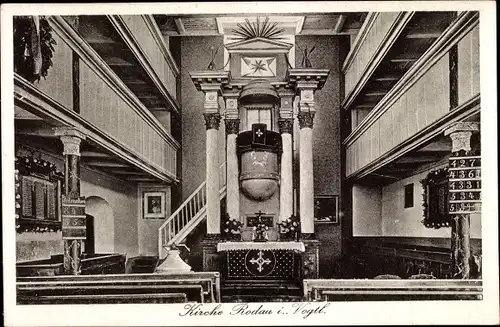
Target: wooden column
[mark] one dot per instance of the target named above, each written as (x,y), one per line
(285,124)
(461,206)
(73,206)
(232,123)
(306,195)
(211,84)
(286,185)
(212,121)
(305,82)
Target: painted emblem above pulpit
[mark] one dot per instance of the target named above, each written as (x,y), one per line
(258,67)
(258,51)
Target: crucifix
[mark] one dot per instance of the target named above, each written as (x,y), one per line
(259,215)
(259,231)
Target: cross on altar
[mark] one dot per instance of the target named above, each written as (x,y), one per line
(260,261)
(259,133)
(259,216)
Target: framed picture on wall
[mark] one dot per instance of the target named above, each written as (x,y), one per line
(326,209)
(154,205)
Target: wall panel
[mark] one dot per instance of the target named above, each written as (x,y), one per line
(59,81)
(403,119)
(468,66)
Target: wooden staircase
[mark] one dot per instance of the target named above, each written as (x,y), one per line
(187,217)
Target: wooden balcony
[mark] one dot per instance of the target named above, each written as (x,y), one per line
(82,91)
(441,87)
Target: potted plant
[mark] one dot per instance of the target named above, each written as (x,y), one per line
(232,228)
(289,229)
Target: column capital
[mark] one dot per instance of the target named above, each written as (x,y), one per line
(286,106)
(232,126)
(207,80)
(307,78)
(306,119)
(69,131)
(462,127)
(212,120)
(460,134)
(231,106)
(285,125)
(71,139)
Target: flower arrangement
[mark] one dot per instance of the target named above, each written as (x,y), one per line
(260,229)
(290,227)
(232,227)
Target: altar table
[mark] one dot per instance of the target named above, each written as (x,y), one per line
(261,260)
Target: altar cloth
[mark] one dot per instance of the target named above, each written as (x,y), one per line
(237,246)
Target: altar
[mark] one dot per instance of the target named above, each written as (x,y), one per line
(255,261)
(265,232)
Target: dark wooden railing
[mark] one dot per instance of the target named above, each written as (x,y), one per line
(198,287)
(405,257)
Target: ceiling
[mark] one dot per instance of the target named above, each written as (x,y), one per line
(296,24)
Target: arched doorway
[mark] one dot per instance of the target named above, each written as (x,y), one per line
(103,224)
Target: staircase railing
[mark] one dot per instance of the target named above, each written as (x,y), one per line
(189,214)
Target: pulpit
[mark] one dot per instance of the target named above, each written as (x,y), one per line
(272,220)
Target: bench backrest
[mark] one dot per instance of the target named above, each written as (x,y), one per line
(104,299)
(205,283)
(391,289)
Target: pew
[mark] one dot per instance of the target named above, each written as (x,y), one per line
(104,299)
(391,289)
(146,288)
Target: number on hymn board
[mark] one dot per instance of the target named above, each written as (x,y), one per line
(465,162)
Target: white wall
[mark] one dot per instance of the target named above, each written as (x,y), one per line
(366,210)
(406,222)
(104,223)
(122,198)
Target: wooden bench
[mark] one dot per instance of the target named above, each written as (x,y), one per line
(104,299)
(391,289)
(92,265)
(197,287)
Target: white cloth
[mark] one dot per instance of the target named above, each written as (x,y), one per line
(235,246)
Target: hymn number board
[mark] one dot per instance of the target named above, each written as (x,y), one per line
(464,185)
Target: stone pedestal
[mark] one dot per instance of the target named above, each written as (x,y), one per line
(211,258)
(310,259)
(173,264)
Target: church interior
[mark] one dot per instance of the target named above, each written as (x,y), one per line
(247,158)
